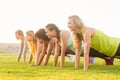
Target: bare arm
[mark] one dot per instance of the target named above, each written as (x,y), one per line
(25,48)
(31,57)
(42,54)
(77,55)
(87,41)
(20,50)
(57,52)
(49,50)
(21,47)
(63,48)
(39,50)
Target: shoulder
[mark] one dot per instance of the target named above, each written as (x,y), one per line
(89,31)
(38,43)
(64,32)
(52,40)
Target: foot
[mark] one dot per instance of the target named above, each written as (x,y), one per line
(109,61)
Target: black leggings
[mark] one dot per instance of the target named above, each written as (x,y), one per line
(98,54)
(118,51)
(93,53)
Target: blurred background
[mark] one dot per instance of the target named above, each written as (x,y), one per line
(35,14)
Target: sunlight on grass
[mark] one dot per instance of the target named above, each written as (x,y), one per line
(10,69)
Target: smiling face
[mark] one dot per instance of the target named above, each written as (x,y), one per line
(49,33)
(29,37)
(41,36)
(71,25)
(19,35)
(75,23)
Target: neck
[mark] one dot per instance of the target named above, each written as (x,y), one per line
(22,38)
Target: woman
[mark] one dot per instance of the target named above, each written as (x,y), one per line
(92,38)
(34,46)
(23,45)
(47,45)
(63,38)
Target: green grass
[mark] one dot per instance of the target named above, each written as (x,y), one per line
(10,69)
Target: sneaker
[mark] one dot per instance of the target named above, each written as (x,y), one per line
(91,60)
(71,58)
(109,61)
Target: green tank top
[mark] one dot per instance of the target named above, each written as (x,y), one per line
(104,43)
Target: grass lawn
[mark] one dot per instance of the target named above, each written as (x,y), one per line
(10,69)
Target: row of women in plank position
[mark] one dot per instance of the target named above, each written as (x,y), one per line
(81,40)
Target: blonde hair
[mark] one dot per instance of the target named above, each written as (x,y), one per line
(19,32)
(30,32)
(78,23)
(32,44)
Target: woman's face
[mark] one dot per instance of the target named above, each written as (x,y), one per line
(49,33)
(17,36)
(29,37)
(70,25)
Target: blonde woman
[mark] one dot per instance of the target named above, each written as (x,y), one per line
(34,46)
(91,37)
(23,45)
